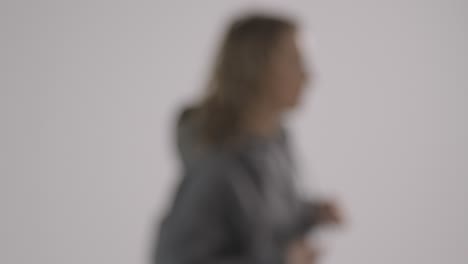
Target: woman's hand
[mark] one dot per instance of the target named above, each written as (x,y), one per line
(300,252)
(330,212)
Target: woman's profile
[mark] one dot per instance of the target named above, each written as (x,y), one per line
(236,202)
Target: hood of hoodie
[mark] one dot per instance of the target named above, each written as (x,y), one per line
(187,138)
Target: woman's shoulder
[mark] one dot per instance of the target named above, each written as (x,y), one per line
(222,164)
(222,170)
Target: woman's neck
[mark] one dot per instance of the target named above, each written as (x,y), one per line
(263,122)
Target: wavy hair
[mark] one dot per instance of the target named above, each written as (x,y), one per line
(239,71)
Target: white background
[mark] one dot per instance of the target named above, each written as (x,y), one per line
(90,89)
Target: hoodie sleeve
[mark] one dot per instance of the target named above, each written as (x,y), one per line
(207,225)
(308,217)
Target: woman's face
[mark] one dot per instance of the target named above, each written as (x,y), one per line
(286,75)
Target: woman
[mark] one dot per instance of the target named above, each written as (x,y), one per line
(236,202)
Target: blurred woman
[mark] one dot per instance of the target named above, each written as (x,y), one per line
(236,202)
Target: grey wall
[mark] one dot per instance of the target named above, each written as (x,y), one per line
(89,90)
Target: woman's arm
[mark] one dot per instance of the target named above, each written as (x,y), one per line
(206,225)
(315,213)
(308,217)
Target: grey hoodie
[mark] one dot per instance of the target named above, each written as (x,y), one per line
(232,207)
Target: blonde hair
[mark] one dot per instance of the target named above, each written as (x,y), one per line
(239,71)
